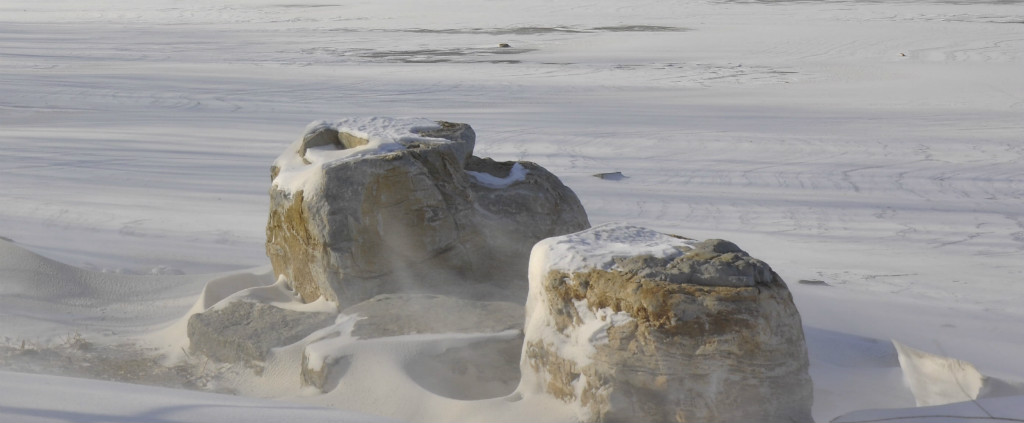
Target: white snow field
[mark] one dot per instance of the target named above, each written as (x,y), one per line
(870,149)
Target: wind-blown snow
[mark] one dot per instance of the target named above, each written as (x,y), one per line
(516,174)
(938,380)
(875,146)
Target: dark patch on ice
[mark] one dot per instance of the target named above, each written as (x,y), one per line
(610,176)
(704,73)
(456,55)
(816,282)
(523,30)
(542,30)
(306,6)
(668,73)
(640,28)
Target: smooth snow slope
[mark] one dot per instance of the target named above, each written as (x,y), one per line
(39,398)
(873,145)
(43,300)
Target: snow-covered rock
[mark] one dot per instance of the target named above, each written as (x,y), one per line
(362,207)
(244,331)
(628,324)
(476,343)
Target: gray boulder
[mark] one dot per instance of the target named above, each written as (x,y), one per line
(626,324)
(362,207)
(244,331)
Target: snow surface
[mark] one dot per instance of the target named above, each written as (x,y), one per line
(597,248)
(871,145)
(981,411)
(29,398)
(516,174)
(938,380)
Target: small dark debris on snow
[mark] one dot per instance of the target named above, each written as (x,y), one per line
(611,176)
(504,45)
(812,282)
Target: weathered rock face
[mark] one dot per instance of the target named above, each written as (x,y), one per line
(244,331)
(362,207)
(631,325)
(483,363)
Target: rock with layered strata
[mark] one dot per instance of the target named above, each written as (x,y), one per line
(362,207)
(628,324)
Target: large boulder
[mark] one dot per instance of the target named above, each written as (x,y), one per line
(627,324)
(362,207)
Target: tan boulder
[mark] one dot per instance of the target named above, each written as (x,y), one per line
(362,207)
(627,324)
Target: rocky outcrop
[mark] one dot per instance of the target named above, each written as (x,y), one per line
(245,331)
(363,207)
(627,324)
(481,364)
